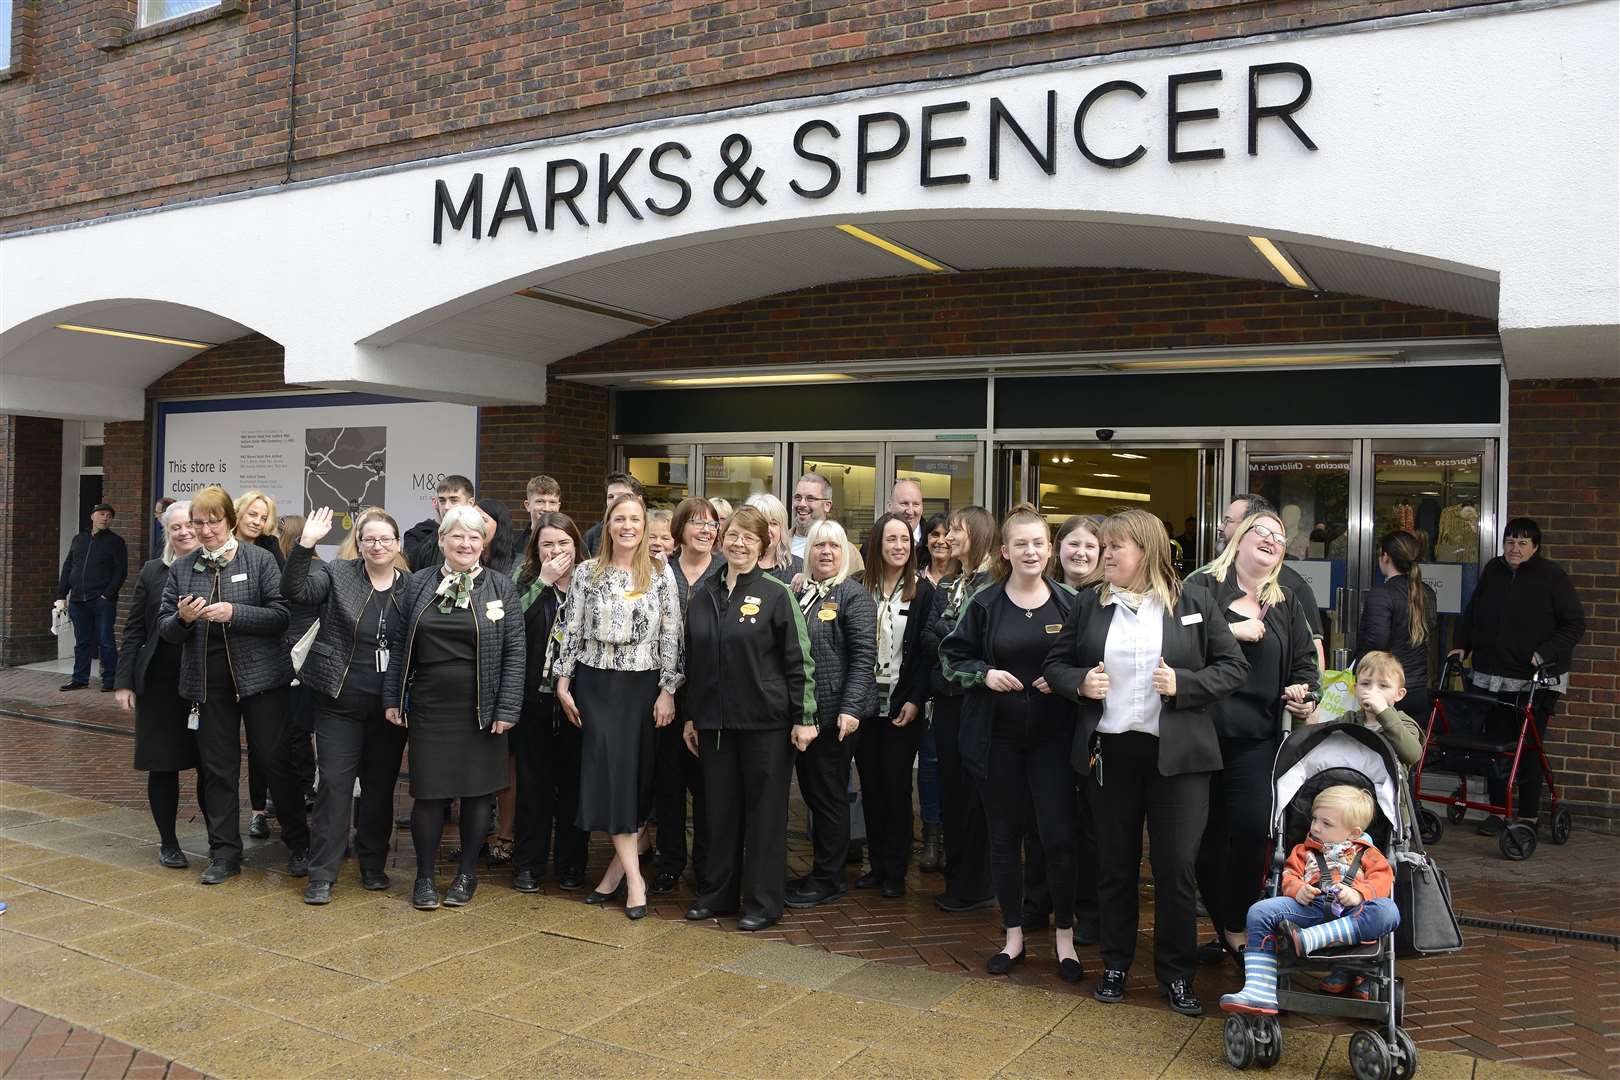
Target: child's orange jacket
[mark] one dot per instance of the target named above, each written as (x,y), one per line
(1374,878)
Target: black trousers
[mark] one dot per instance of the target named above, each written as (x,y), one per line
(300,735)
(1175,808)
(353,740)
(219,751)
(676,772)
(1038,891)
(1528,803)
(546,750)
(823,772)
(745,777)
(1234,854)
(967,841)
(1029,793)
(884,755)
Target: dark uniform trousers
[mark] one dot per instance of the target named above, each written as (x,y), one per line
(353,739)
(745,781)
(1234,855)
(1038,892)
(823,772)
(675,772)
(967,837)
(546,749)
(219,750)
(884,755)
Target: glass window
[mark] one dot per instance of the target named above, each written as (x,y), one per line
(156,11)
(1436,497)
(735,476)
(854,488)
(948,478)
(662,471)
(1312,493)
(90,455)
(5,34)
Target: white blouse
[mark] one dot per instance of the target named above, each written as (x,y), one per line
(1135,643)
(611,628)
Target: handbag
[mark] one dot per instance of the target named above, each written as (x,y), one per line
(1423,894)
(300,649)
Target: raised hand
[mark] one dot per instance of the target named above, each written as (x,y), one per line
(316,526)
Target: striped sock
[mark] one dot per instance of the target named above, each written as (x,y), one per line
(1259,993)
(1328,935)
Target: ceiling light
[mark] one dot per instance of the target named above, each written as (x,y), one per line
(1067,460)
(1279,262)
(1108,493)
(752,380)
(895,249)
(1106,475)
(136,337)
(1132,457)
(1056,460)
(1304,360)
(590,308)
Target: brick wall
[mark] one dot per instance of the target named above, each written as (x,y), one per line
(1564,470)
(96,125)
(30,493)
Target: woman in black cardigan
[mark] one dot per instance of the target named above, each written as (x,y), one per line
(889,745)
(1399,617)
(1146,659)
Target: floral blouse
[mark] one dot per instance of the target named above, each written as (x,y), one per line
(608,627)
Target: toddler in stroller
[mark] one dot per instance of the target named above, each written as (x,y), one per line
(1336,890)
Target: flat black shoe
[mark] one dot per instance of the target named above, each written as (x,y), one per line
(173,858)
(595,897)
(1001,963)
(1491,826)
(751,923)
(665,883)
(637,912)
(868,880)
(74,686)
(810,897)
(524,881)
(1110,989)
(298,863)
(259,826)
(698,914)
(374,880)
(318,892)
(217,872)
(893,890)
(424,897)
(460,892)
(1071,971)
(947,902)
(571,879)
(1211,953)
(1182,998)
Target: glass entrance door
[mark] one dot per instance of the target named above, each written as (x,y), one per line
(851,470)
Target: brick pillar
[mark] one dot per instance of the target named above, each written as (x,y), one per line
(566,438)
(127,485)
(1562,440)
(30,498)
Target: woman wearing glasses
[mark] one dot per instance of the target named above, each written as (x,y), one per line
(1269,624)
(356,600)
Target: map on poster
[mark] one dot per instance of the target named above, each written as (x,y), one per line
(344,451)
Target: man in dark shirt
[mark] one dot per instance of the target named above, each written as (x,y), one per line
(94,571)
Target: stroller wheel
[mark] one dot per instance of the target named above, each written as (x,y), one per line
(1517,841)
(1268,1045)
(1370,1058)
(1561,824)
(1238,1041)
(1455,813)
(1430,827)
(1406,1052)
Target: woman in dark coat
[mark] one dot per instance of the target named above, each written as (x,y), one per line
(149,683)
(257,524)
(459,652)
(1399,617)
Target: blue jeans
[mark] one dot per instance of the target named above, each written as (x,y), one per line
(93,629)
(1374,918)
(928,779)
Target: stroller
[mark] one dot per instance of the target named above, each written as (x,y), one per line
(1311,759)
(1472,733)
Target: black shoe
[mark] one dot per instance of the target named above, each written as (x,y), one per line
(1211,953)
(571,879)
(74,686)
(1071,971)
(524,881)
(460,892)
(373,880)
(259,827)
(665,882)
(1087,932)
(298,863)
(637,912)
(751,923)
(947,902)
(607,897)
(217,872)
(812,895)
(1110,988)
(1491,826)
(173,858)
(318,892)
(893,890)
(1001,963)
(424,897)
(1182,998)
(868,880)
(695,913)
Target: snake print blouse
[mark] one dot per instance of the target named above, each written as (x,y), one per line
(608,627)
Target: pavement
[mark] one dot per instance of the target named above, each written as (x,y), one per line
(113,966)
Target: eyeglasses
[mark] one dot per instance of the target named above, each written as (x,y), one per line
(195,524)
(1266,533)
(800,499)
(376,541)
(703,526)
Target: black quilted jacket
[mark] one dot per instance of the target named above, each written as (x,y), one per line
(844,648)
(501,642)
(251,584)
(338,591)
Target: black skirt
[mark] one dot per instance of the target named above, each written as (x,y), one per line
(616,758)
(163,743)
(451,756)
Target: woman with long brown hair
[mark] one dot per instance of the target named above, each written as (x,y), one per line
(1400,617)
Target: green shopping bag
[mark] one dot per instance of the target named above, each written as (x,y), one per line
(1338,693)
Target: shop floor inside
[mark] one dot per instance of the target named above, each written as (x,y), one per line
(113,966)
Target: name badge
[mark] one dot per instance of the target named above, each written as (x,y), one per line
(749,608)
(752,600)
(238,577)
(633,595)
(827,614)
(1054,628)
(1192,620)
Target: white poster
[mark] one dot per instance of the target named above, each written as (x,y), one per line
(1318,574)
(1446,581)
(337,454)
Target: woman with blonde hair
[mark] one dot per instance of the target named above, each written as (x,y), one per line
(617,672)
(1270,626)
(777,559)
(1146,660)
(257,524)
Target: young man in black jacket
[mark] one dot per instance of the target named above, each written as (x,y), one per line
(421,543)
(97,564)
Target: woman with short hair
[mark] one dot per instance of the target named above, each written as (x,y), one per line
(459,651)
(777,559)
(356,601)
(222,603)
(149,683)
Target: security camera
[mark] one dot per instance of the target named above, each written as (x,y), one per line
(1105,434)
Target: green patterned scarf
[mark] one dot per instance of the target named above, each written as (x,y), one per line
(220,559)
(455,591)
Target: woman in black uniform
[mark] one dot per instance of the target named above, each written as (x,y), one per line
(546,746)
(1400,618)
(356,600)
(841,620)
(888,746)
(149,683)
(751,701)
(1015,735)
(459,651)
(1270,627)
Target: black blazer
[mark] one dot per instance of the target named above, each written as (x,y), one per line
(918,652)
(254,640)
(337,593)
(141,640)
(1197,644)
(502,647)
